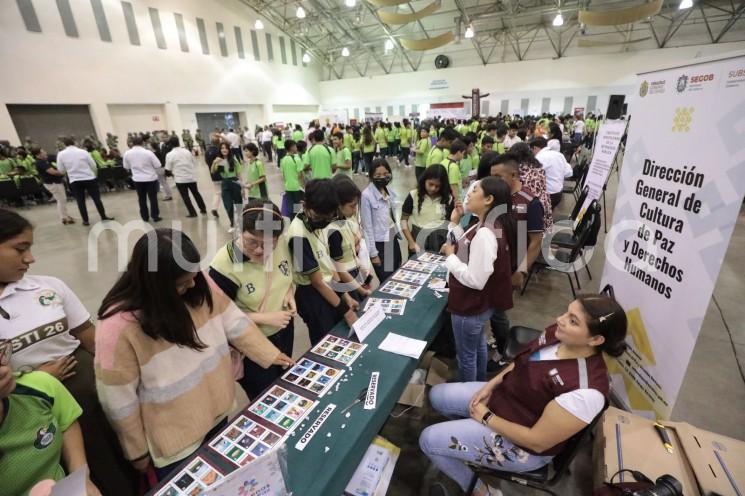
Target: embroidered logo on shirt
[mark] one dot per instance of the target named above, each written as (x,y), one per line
(250,288)
(45,436)
(555,377)
(284,267)
(48,297)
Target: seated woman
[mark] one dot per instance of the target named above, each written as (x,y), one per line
(163,367)
(39,430)
(523,417)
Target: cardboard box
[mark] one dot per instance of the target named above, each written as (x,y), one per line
(624,440)
(704,462)
(435,372)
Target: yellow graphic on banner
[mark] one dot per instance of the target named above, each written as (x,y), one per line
(683,119)
(642,391)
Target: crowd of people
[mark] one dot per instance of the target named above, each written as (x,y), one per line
(175,352)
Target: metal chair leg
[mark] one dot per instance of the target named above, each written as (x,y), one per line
(587,266)
(576,277)
(530,274)
(571,284)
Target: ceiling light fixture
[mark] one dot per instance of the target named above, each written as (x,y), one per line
(300,13)
(350,3)
(258,24)
(558,20)
(469,32)
(388,45)
(685,4)
(345,52)
(306,58)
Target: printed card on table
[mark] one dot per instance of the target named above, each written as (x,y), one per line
(389,306)
(431,258)
(313,376)
(338,349)
(399,288)
(411,277)
(193,480)
(262,426)
(420,266)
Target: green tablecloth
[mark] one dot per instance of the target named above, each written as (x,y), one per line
(315,471)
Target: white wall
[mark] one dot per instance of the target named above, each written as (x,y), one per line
(86,70)
(578,77)
(128,118)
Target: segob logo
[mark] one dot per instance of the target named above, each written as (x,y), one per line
(682,83)
(643,89)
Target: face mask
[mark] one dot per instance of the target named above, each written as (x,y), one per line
(314,225)
(382,182)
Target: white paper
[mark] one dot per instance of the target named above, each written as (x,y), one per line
(372,391)
(366,324)
(366,478)
(72,485)
(401,345)
(262,477)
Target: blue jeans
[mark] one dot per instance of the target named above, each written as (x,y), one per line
(449,444)
(470,345)
(500,329)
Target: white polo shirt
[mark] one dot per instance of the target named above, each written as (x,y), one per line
(181,162)
(77,163)
(42,312)
(143,164)
(233,139)
(556,168)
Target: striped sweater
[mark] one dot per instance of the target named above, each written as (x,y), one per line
(162,398)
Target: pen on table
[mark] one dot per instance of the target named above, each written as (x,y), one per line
(663,435)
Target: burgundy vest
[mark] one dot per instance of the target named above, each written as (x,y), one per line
(531,385)
(497,293)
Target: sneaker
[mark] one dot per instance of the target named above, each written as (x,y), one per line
(190,216)
(107,218)
(215,214)
(157,219)
(86,223)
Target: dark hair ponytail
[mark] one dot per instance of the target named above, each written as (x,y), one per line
(12,225)
(606,318)
(500,191)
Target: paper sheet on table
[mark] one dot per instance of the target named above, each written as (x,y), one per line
(401,345)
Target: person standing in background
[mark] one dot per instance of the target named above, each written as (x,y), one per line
(144,166)
(421,152)
(81,173)
(180,162)
(161,149)
(210,155)
(53,181)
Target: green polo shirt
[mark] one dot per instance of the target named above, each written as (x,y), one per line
(321,157)
(380,137)
(278,142)
(367,148)
(436,156)
(454,177)
(228,174)
(343,248)
(342,156)
(390,135)
(254,287)
(6,166)
(297,136)
(291,166)
(431,215)
(37,413)
(423,147)
(347,140)
(310,252)
(255,172)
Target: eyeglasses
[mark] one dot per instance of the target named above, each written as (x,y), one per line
(252,244)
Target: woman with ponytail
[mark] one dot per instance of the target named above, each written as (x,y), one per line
(524,416)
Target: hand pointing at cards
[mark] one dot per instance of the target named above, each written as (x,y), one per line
(283,360)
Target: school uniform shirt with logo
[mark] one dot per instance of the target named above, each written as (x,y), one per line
(342,156)
(320,158)
(310,252)
(343,238)
(255,172)
(423,147)
(291,166)
(37,413)
(254,287)
(436,156)
(42,312)
(431,215)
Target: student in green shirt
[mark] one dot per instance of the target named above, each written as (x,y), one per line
(319,304)
(438,153)
(297,134)
(367,146)
(291,167)
(321,158)
(278,142)
(254,174)
(342,155)
(396,140)
(427,208)
(421,152)
(466,163)
(39,432)
(355,147)
(405,147)
(348,138)
(390,137)
(228,168)
(255,271)
(381,139)
(452,165)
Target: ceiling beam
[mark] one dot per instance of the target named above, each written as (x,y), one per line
(735,16)
(388,33)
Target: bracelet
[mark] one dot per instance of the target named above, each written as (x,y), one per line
(486,418)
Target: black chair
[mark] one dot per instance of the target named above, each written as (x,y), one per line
(106,179)
(575,183)
(9,194)
(559,219)
(517,339)
(567,254)
(545,478)
(29,188)
(121,177)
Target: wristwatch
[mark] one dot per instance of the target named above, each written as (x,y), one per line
(487,417)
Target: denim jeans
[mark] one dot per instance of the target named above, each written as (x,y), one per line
(470,345)
(500,329)
(449,444)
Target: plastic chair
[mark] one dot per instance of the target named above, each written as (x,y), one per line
(29,187)
(545,478)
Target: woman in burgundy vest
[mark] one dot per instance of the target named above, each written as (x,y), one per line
(480,272)
(523,417)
